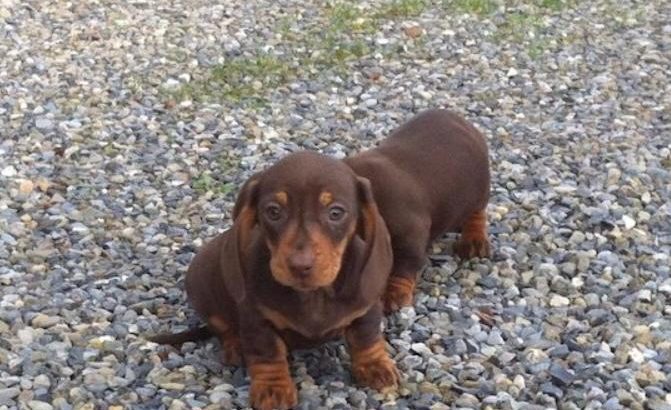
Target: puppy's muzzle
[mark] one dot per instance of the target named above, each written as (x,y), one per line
(301,263)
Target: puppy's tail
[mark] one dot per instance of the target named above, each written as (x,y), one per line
(177,339)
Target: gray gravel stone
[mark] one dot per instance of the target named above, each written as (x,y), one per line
(44,124)
(44,321)
(561,376)
(39,405)
(8,394)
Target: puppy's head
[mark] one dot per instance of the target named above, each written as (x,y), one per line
(308,207)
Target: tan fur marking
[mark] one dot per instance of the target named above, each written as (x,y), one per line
(372,353)
(369,227)
(325,198)
(400,292)
(351,317)
(279,254)
(282,198)
(404,285)
(246,220)
(328,256)
(371,365)
(475,227)
(276,318)
(218,324)
(271,385)
(473,241)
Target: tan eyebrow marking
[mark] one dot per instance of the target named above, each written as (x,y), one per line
(325,198)
(282,198)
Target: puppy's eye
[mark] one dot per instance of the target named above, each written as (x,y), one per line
(273,212)
(336,213)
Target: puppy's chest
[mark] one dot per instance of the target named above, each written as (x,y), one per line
(314,318)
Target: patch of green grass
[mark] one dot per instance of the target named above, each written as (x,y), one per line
(133,84)
(623,17)
(225,189)
(229,163)
(335,51)
(519,26)
(284,28)
(336,39)
(525,29)
(340,42)
(350,50)
(341,15)
(110,151)
(487,7)
(401,8)
(236,77)
(332,45)
(240,80)
(552,4)
(479,7)
(202,183)
(205,183)
(344,18)
(537,48)
(184,92)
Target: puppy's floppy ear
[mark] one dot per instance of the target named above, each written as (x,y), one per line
(243,196)
(378,254)
(238,240)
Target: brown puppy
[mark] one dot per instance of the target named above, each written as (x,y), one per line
(307,260)
(431,176)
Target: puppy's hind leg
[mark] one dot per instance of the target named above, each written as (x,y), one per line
(473,241)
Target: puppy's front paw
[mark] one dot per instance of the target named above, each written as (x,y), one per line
(380,374)
(280,395)
(372,366)
(399,293)
(472,247)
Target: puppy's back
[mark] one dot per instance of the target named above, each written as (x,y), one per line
(434,141)
(444,155)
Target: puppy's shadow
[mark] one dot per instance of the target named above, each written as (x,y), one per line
(324,364)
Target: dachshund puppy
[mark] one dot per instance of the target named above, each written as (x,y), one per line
(431,176)
(306,260)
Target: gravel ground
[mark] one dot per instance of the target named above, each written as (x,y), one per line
(127,127)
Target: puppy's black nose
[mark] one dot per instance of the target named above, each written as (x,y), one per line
(301,263)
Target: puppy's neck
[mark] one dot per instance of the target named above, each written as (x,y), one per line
(317,296)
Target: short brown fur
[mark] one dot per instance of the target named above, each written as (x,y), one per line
(439,166)
(261,285)
(293,271)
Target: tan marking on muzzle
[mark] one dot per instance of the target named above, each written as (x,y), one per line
(280,254)
(328,258)
(328,255)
